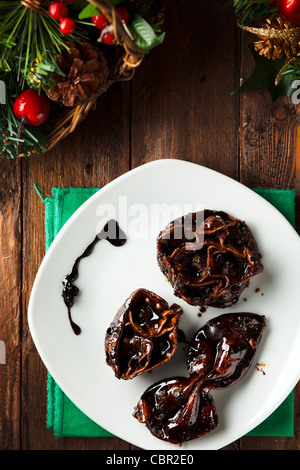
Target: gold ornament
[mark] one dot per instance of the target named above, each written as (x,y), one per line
(277,37)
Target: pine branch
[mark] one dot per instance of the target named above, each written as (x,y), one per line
(248,11)
(27,35)
(33,139)
(292,70)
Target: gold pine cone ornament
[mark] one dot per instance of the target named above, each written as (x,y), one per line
(277,37)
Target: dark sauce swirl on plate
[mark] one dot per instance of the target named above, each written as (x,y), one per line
(116,237)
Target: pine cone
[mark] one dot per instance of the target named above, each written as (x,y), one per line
(278,37)
(85,74)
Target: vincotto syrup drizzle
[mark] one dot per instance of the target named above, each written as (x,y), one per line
(116,237)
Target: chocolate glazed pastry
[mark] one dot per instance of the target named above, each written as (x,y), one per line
(143,334)
(214,263)
(181,408)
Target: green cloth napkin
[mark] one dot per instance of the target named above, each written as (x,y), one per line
(63,417)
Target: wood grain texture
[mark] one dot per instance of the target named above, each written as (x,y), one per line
(181,104)
(267,146)
(178,105)
(268,151)
(10,307)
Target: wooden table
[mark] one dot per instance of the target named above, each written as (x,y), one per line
(178,105)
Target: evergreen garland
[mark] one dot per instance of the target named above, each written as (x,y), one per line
(30,42)
(249,11)
(293,69)
(33,138)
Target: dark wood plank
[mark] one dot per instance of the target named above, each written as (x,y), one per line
(10,311)
(91,157)
(268,150)
(267,134)
(181,101)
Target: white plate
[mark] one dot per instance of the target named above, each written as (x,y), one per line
(110,275)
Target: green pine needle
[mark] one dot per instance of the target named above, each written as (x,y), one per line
(26,35)
(33,138)
(248,11)
(292,70)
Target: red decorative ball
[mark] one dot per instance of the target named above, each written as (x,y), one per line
(67,26)
(100,21)
(289,9)
(109,39)
(58,10)
(32,107)
(123,14)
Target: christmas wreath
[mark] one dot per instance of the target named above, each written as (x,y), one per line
(57,57)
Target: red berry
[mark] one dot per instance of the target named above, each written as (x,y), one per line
(32,106)
(58,10)
(109,39)
(100,21)
(123,14)
(67,26)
